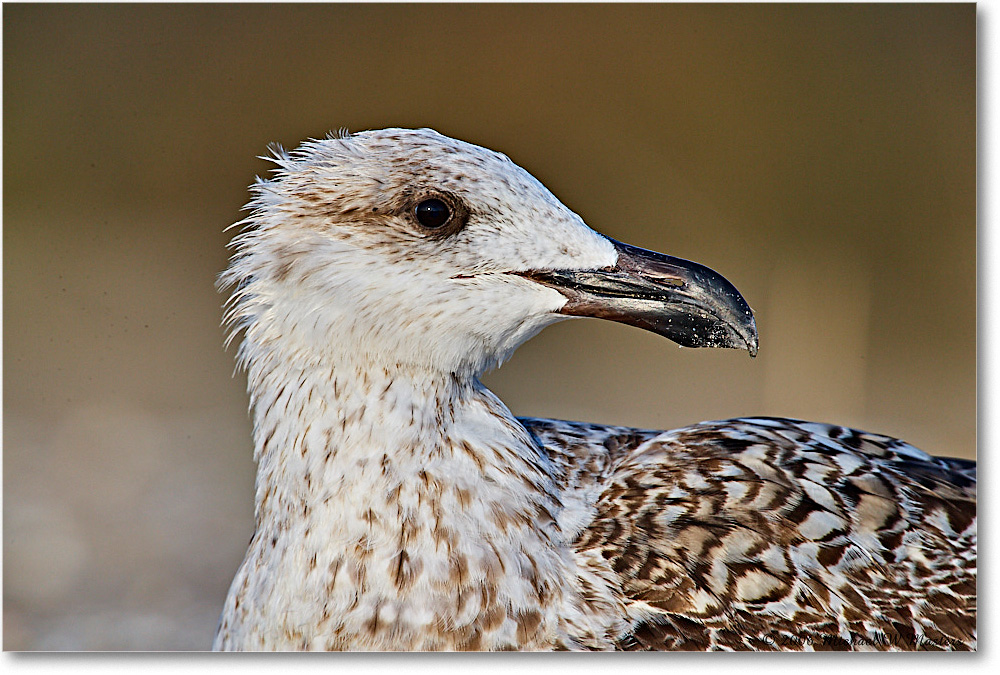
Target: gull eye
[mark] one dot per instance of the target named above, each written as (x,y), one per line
(432,213)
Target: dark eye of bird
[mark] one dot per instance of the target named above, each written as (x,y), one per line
(432,213)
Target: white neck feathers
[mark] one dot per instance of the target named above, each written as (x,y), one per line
(394,510)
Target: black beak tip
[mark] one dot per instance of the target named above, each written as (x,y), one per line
(752,344)
(746,334)
(709,330)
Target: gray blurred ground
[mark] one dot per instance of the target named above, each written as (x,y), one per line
(821,157)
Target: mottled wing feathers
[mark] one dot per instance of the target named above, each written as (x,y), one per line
(769,534)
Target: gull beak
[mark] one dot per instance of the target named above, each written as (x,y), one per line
(678,299)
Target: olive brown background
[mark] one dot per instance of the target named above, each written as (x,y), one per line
(821,157)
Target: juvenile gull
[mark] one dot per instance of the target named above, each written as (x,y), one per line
(401,506)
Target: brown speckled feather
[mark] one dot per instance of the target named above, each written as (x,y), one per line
(773,534)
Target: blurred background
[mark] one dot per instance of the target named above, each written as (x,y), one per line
(821,157)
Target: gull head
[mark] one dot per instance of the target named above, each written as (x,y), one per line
(406,248)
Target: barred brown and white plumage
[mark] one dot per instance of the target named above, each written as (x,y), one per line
(767,533)
(400,505)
